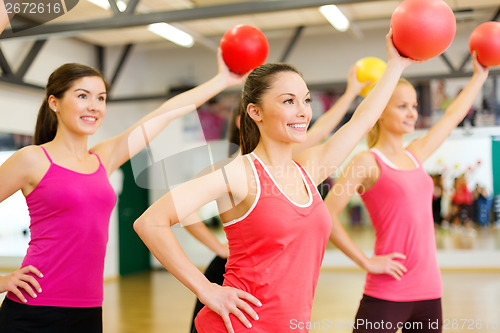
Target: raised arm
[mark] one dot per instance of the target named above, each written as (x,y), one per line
(331,118)
(322,160)
(356,176)
(454,114)
(154,229)
(117,150)
(4,18)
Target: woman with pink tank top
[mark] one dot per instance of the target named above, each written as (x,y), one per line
(275,221)
(403,284)
(59,287)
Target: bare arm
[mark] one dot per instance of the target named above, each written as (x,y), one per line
(454,114)
(322,160)
(352,179)
(154,229)
(331,118)
(117,150)
(4,19)
(199,230)
(16,174)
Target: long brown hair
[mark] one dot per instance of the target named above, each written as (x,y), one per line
(373,135)
(256,84)
(59,82)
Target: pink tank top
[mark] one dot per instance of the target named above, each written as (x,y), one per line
(69,230)
(276,250)
(400,208)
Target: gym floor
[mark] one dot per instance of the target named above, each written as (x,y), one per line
(155,301)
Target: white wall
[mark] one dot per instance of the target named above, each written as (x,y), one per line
(321,54)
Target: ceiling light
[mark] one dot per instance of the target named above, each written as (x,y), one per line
(336,18)
(105,4)
(171,33)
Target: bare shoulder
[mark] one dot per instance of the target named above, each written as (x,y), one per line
(237,169)
(30,157)
(363,168)
(364,158)
(25,168)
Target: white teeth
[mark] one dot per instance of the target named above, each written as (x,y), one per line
(89,118)
(297,125)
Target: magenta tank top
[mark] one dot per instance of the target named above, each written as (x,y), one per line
(400,208)
(69,214)
(276,250)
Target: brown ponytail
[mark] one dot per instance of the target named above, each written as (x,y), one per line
(256,84)
(59,82)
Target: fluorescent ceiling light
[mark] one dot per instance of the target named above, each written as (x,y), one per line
(336,18)
(105,4)
(171,33)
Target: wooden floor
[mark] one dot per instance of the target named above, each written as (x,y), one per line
(156,302)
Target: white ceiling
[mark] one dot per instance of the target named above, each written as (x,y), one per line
(363,15)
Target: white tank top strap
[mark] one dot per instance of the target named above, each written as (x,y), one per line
(413,158)
(257,195)
(309,192)
(389,163)
(383,158)
(304,171)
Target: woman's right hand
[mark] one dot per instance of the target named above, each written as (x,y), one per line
(394,55)
(227,300)
(385,264)
(20,279)
(232,79)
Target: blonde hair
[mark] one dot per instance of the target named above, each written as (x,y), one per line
(372,136)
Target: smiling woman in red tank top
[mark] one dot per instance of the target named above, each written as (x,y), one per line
(276,223)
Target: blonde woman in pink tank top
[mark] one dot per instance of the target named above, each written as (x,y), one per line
(403,284)
(265,199)
(59,286)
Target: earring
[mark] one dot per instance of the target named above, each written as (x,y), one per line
(55,110)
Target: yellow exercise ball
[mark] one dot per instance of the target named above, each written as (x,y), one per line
(369,69)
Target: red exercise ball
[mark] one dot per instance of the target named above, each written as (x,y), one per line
(244,48)
(485,40)
(422,29)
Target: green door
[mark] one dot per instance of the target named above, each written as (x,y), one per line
(133,201)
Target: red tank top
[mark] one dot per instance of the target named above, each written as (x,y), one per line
(276,250)
(400,208)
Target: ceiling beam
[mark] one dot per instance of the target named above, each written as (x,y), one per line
(197,13)
(123,58)
(4,65)
(292,43)
(30,58)
(447,61)
(114,7)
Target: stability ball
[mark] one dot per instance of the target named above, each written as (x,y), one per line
(422,29)
(244,48)
(485,40)
(369,69)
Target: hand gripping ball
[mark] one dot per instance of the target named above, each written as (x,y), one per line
(485,40)
(244,48)
(369,69)
(422,29)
